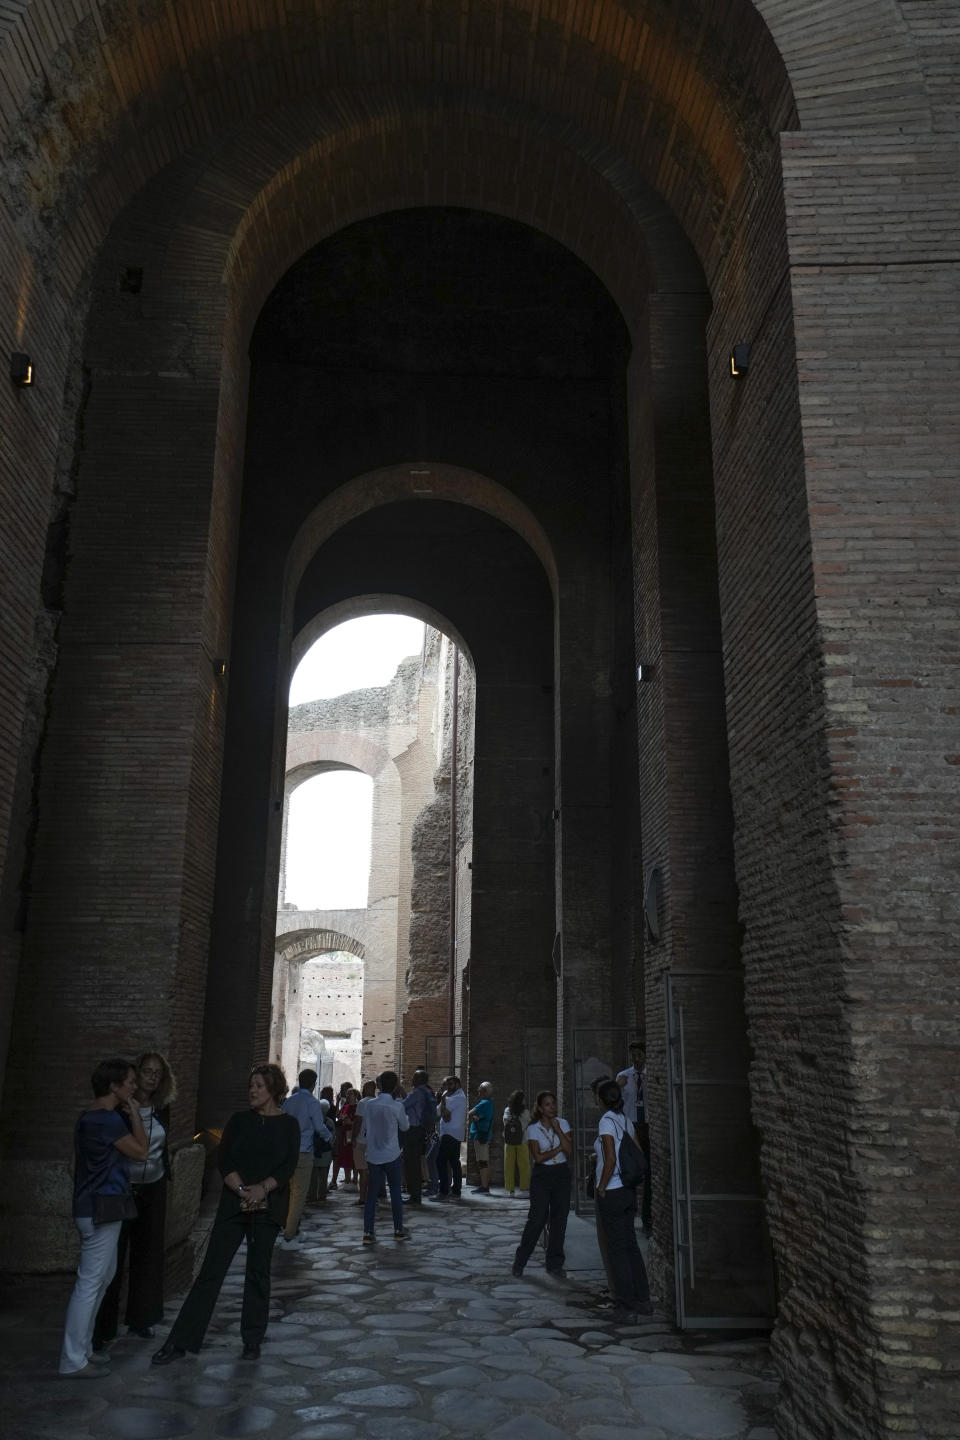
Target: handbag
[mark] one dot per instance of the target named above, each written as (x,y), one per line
(108,1209)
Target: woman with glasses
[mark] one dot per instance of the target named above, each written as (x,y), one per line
(142,1239)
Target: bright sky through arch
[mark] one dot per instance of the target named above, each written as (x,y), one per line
(355,656)
(328,842)
(329,824)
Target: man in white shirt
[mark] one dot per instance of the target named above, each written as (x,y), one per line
(632,1082)
(453,1119)
(631,1086)
(309,1114)
(383,1119)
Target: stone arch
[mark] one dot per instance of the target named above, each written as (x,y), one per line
(768,546)
(303,945)
(294,949)
(869,40)
(406,481)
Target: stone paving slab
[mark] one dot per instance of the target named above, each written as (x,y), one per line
(426,1340)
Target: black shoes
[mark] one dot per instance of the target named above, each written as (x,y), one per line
(167,1353)
(251,1350)
(516,1269)
(147,1333)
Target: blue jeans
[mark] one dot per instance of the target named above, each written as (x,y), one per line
(392,1171)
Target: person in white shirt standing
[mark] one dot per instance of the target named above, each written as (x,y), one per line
(617,1208)
(383,1119)
(453,1119)
(551,1146)
(631,1086)
(632,1082)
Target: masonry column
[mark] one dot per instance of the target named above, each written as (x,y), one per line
(584,827)
(122,876)
(872,229)
(691,945)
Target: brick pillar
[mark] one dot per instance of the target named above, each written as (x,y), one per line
(686,819)
(864,1162)
(122,872)
(584,780)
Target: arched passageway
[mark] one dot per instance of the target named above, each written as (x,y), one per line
(727,171)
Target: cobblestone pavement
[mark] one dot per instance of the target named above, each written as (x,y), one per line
(408,1341)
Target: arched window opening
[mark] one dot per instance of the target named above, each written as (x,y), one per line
(327,861)
(331,1017)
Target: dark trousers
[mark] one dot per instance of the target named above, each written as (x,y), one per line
(448,1164)
(378,1177)
(617,1210)
(412,1156)
(260,1232)
(549,1200)
(142,1240)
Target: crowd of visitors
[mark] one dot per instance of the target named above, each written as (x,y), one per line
(278,1152)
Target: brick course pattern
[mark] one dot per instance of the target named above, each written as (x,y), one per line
(790,167)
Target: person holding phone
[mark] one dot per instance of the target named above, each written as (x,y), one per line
(143,1238)
(108,1134)
(551,1146)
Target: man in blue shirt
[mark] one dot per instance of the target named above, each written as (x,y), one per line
(481,1130)
(309,1114)
(421,1108)
(383,1121)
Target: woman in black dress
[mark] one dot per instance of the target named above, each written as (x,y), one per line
(258,1154)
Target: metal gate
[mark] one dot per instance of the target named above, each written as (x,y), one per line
(538,1061)
(723,1262)
(596,1054)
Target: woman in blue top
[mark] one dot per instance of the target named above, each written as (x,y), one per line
(105,1139)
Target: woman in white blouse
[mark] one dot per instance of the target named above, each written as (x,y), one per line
(551,1145)
(617,1209)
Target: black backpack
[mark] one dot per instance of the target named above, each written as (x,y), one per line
(513,1130)
(631,1162)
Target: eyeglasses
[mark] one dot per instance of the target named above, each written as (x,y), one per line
(148,1070)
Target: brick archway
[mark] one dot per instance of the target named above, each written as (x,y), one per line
(624,136)
(302,945)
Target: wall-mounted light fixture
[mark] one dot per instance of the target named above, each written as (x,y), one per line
(219,668)
(21,369)
(644,672)
(740,358)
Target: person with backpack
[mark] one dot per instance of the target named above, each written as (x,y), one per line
(516,1152)
(620,1169)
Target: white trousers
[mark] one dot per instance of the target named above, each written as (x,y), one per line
(98,1264)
